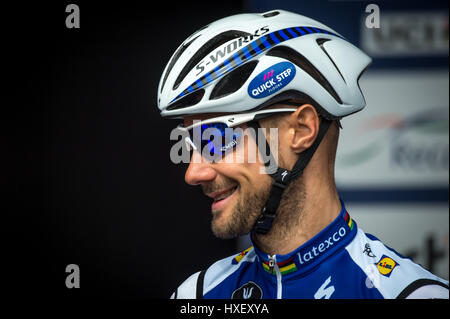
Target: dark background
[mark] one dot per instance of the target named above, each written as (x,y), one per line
(93,183)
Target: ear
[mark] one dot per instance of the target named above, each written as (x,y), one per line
(303,128)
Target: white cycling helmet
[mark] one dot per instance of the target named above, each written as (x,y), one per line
(245,62)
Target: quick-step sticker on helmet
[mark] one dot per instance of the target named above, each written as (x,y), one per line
(271,80)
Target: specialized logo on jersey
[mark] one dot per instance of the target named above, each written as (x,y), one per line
(271,80)
(239,257)
(325,291)
(368,251)
(386,265)
(250,290)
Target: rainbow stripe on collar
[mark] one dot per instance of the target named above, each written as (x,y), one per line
(241,255)
(349,220)
(285,267)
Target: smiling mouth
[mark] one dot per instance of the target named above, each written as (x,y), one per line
(225,194)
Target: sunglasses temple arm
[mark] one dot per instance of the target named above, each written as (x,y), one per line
(189,142)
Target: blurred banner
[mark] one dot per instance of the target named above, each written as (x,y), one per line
(392,166)
(400,140)
(407,34)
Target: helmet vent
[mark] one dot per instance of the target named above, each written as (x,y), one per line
(303,63)
(175,58)
(320,42)
(188,100)
(271,14)
(233,81)
(209,46)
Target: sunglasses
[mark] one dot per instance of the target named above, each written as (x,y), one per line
(215,137)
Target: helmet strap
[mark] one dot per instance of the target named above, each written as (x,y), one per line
(283,177)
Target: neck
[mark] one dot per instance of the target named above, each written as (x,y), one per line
(301,215)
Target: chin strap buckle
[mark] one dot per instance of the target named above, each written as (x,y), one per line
(264,222)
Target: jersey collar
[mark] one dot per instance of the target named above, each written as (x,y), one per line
(331,239)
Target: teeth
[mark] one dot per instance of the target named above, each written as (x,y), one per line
(225,195)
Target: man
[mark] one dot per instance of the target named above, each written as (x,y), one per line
(233,82)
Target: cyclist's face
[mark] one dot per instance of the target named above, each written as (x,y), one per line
(236,186)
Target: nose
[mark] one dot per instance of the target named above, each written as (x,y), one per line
(199,171)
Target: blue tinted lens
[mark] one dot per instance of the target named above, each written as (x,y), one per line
(213,137)
(216,139)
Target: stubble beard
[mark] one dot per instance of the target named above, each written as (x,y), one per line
(243,214)
(249,207)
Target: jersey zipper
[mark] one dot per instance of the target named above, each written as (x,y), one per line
(273,265)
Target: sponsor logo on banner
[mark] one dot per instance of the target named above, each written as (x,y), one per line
(421,33)
(400,141)
(271,80)
(419,141)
